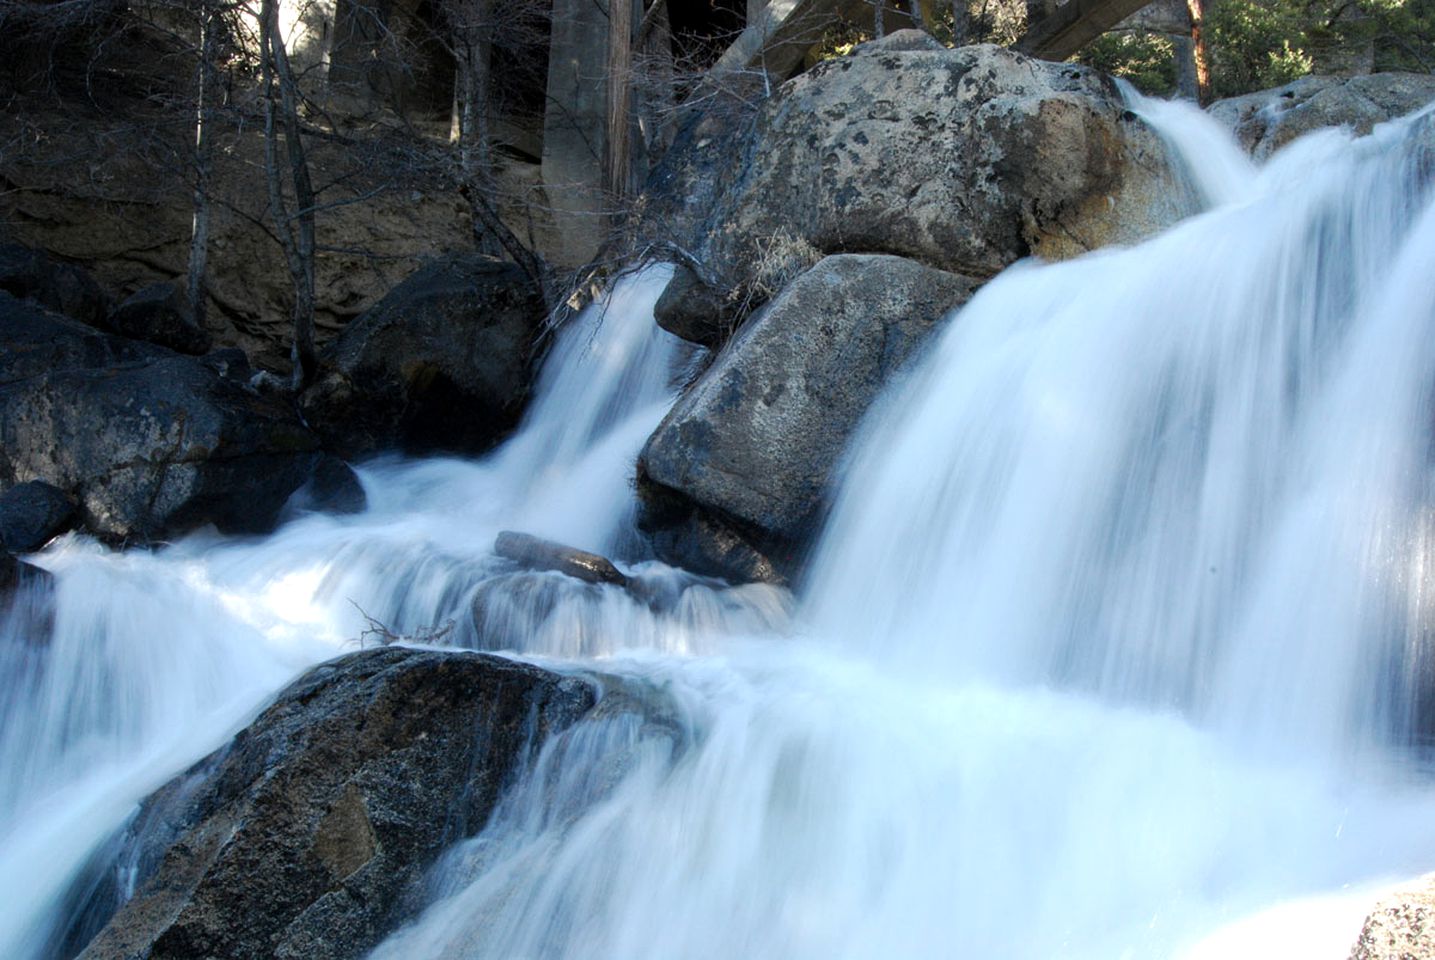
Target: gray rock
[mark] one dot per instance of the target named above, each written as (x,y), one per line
(691,309)
(1265,121)
(737,475)
(160,313)
(308,836)
(151,443)
(333,487)
(443,362)
(1401,927)
(539,554)
(33,513)
(63,287)
(964,160)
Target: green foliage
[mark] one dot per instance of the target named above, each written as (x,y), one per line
(1144,58)
(1256,44)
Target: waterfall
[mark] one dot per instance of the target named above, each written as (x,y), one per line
(1110,647)
(153,659)
(1107,645)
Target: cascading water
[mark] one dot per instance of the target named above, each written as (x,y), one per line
(1103,649)
(154,658)
(1103,641)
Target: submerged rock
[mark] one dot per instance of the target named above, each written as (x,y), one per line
(965,160)
(308,836)
(443,362)
(735,479)
(150,443)
(1267,120)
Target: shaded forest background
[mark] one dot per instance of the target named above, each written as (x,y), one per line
(286,162)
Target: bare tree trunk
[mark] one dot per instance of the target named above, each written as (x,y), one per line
(475,144)
(296,229)
(879,29)
(203,161)
(1198,46)
(961,29)
(617,162)
(922,15)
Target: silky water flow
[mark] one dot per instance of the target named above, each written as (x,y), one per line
(1116,644)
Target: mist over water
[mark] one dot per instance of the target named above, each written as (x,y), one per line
(1107,645)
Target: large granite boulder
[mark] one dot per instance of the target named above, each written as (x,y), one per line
(736,478)
(308,836)
(444,362)
(1267,120)
(148,442)
(965,160)
(30,274)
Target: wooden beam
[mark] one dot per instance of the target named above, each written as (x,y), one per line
(1073,25)
(777,40)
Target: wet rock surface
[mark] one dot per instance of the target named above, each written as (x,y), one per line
(536,553)
(308,835)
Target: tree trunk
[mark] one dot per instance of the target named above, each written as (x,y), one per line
(1198,47)
(879,29)
(475,144)
(923,15)
(203,160)
(617,162)
(296,229)
(961,30)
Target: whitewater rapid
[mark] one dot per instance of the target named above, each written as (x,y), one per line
(1107,650)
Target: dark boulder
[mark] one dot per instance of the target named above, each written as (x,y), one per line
(150,443)
(160,313)
(16,573)
(63,287)
(333,487)
(691,309)
(308,836)
(33,513)
(444,362)
(735,480)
